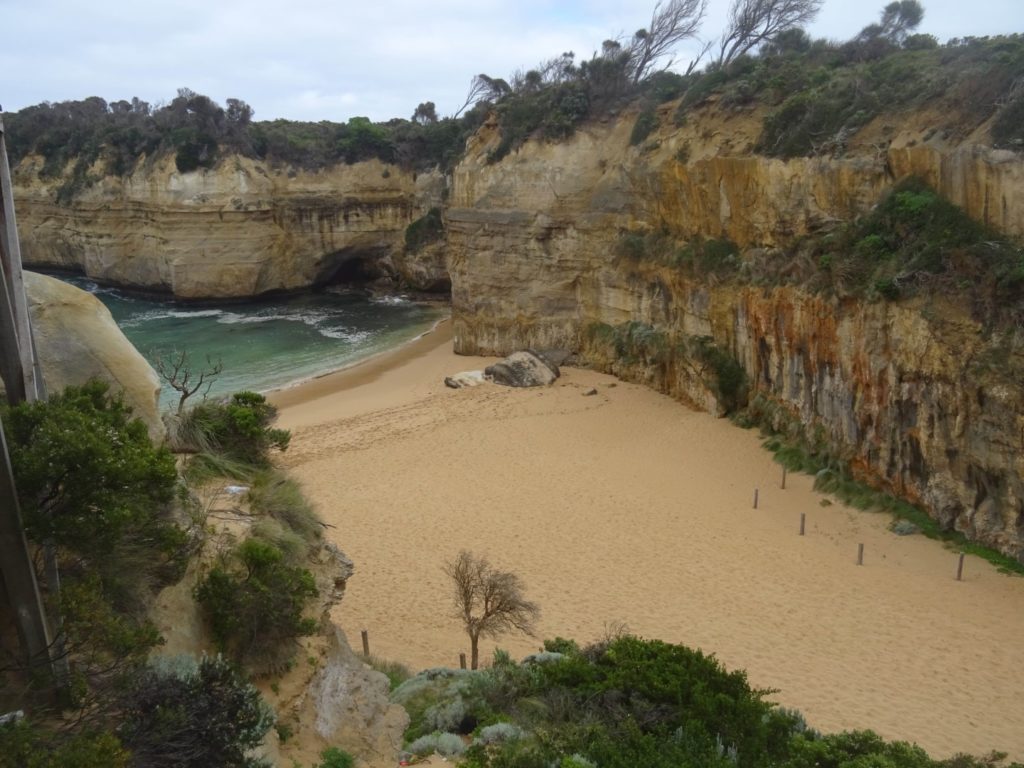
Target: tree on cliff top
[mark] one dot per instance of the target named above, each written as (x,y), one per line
(671,24)
(489,602)
(754,22)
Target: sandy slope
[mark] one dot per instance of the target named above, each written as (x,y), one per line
(628,507)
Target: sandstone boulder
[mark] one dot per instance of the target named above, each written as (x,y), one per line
(523,369)
(78,340)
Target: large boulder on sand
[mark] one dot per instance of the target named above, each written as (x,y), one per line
(78,340)
(523,369)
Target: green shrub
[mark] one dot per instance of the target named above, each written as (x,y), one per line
(240,428)
(396,672)
(332,757)
(646,123)
(1008,127)
(254,604)
(427,229)
(178,712)
(26,745)
(728,379)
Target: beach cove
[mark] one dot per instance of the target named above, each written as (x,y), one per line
(627,507)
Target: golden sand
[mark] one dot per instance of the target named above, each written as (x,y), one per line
(628,507)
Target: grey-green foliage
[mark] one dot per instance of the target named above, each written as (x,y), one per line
(447,744)
(437,699)
(499,733)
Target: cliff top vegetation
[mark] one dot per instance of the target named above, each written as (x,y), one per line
(814,94)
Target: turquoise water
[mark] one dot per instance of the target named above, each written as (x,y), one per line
(267,344)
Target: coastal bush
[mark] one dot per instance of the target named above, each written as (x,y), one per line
(88,475)
(254,603)
(709,258)
(427,229)
(445,744)
(275,495)
(26,745)
(727,379)
(332,757)
(646,123)
(239,428)
(396,672)
(179,712)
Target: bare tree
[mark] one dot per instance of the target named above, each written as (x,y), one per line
(175,368)
(753,22)
(671,23)
(489,602)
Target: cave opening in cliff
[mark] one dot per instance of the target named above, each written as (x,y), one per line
(351,269)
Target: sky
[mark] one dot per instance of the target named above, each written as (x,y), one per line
(335,59)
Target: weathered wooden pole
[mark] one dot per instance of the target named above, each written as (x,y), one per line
(960,568)
(10,255)
(803,521)
(22,381)
(366,643)
(860,554)
(783,478)
(755,498)
(19,575)
(462,661)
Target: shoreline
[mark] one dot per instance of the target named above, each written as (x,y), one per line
(628,506)
(288,395)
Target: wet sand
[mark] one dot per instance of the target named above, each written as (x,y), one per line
(627,507)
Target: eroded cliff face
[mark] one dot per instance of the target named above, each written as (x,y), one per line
(237,231)
(913,394)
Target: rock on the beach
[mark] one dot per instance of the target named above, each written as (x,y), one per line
(464,379)
(523,369)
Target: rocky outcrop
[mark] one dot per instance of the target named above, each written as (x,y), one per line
(913,395)
(523,369)
(78,340)
(239,230)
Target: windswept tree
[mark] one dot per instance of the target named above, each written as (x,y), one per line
(755,22)
(484,88)
(899,18)
(671,23)
(488,601)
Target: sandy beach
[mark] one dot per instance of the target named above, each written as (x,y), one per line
(626,506)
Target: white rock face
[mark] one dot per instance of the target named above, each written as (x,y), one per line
(78,340)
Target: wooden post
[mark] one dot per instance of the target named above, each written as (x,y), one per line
(15,285)
(366,643)
(19,367)
(755,498)
(783,478)
(860,554)
(19,575)
(803,520)
(462,661)
(960,568)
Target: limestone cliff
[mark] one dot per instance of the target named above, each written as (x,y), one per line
(78,340)
(239,230)
(912,393)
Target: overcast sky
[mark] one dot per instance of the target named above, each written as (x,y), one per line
(333,59)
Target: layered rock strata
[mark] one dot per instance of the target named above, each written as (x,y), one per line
(237,231)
